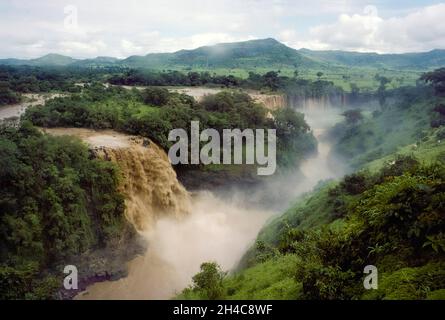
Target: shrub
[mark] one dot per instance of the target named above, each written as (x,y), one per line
(156,96)
(209,281)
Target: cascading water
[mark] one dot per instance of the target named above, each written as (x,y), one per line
(323,166)
(148,182)
(315,103)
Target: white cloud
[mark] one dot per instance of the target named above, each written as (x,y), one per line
(154,42)
(129,47)
(89,48)
(122,28)
(418,31)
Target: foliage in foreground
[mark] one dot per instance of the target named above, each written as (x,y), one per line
(56,201)
(393,219)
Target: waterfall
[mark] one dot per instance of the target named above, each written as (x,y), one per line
(148,181)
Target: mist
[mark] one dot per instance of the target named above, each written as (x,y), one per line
(215,230)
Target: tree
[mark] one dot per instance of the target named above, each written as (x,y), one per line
(272,80)
(209,281)
(194,78)
(352,117)
(156,96)
(7,96)
(381,91)
(437,79)
(355,91)
(56,202)
(319,74)
(440,119)
(289,123)
(293,137)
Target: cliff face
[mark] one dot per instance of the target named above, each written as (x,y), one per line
(276,101)
(272,101)
(313,102)
(148,181)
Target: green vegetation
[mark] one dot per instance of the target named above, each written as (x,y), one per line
(389,214)
(431,59)
(155,111)
(236,60)
(140,77)
(56,202)
(250,55)
(437,79)
(245,55)
(406,118)
(28,79)
(207,283)
(7,96)
(272,279)
(317,250)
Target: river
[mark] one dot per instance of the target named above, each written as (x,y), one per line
(31,99)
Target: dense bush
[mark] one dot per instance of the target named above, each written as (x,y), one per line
(401,123)
(393,219)
(439,117)
(7,96)
(172,78)
(139,113)
(55,202)
(25,79)
(437,79)
(207,284)
(398,218)
(156,96)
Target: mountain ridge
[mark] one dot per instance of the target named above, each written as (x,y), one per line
(252,54)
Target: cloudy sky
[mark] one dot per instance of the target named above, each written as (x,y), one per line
(120,28)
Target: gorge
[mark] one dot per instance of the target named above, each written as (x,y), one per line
(180,228)
(214,227)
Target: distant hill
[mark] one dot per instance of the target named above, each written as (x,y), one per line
(250,55)
(96,62)
(51,59)
(13,62)
(421,60)
(266,53)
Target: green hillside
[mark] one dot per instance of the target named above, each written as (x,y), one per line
(252,54)
(421,60)
(96,62)
(388,214)
(262,54)
(49,60)
(53,59)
